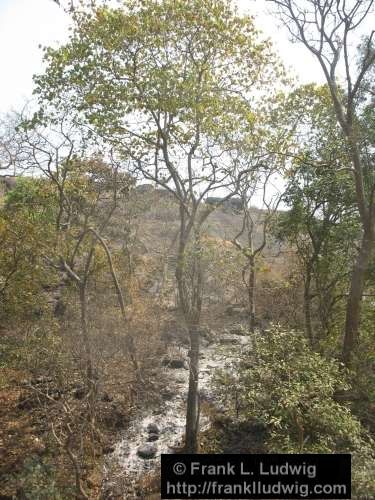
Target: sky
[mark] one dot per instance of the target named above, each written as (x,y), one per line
(24,25)
(27,24)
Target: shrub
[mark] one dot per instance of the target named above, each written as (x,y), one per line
(286,386)
(37,481)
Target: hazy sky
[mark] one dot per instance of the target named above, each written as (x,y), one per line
(26,24)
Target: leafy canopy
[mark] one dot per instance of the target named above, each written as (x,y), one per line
(184,68)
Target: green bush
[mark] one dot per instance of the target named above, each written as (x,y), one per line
(37,481)
(283,384)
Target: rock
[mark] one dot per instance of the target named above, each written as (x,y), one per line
(144,188)
(80,392)
(108,449)
(174,363)
(153,437)
(229,340)
(153,429)
(178,363)
(147,451)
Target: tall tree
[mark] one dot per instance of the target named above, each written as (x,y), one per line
(172,85)
(330,31)
(321,224)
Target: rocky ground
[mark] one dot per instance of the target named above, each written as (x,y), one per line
(135,460)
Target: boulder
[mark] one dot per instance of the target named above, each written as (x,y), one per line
(80,392)
(147,451)
(152,437)
(153,428)
(174,363)
(229,340)
(108,449)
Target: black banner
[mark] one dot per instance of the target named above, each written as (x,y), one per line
(255,476)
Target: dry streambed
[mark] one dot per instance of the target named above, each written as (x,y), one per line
(161,429)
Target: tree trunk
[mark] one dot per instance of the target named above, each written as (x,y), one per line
(190,298)
(91,383)
(307,310)
(85,336)
(192,411)
(353,308)
(251,295)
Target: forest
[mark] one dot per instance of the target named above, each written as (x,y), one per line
(187,241)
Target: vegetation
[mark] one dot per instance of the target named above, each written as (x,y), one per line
(176,195)
(295,393)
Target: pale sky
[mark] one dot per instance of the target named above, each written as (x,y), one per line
(26,24)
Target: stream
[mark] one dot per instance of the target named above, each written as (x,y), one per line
(160,429)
